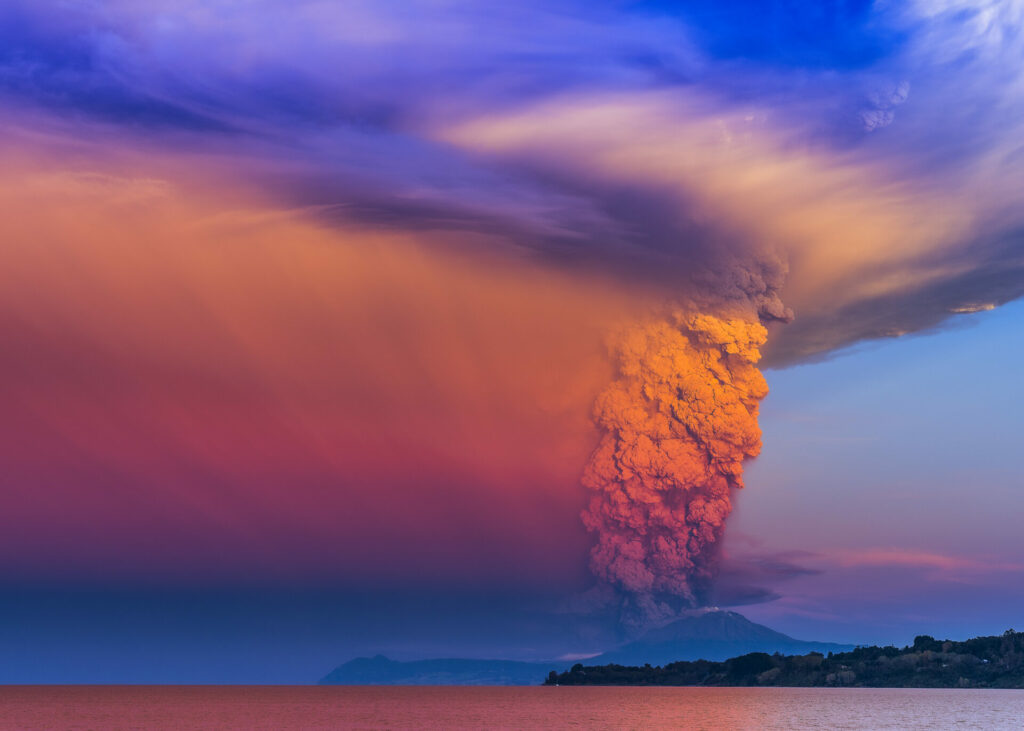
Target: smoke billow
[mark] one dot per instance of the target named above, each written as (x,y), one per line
(678,422)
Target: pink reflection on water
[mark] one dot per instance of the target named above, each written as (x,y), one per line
(303,707)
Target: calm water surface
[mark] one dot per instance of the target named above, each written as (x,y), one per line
(254,707)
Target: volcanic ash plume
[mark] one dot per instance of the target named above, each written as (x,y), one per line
(678,423)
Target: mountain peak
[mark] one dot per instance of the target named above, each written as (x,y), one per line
(709,634)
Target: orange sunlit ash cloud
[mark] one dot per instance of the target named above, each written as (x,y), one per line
(679,423)
(241,391)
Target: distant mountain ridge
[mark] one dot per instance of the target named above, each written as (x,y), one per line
(702,635)
(380,670)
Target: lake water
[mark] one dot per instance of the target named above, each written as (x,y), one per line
(261,707)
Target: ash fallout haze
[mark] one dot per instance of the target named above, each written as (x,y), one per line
(446,329)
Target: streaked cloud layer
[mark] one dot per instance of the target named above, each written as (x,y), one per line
(873,150)
(188,388)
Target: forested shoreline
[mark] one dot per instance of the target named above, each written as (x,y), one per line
(981,662)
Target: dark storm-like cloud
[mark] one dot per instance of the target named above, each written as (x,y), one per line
(755,578)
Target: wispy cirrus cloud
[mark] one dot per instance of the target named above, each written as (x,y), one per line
(756,576)
(917,559)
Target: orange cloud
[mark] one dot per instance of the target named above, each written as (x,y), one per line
(196,383)
(679,422)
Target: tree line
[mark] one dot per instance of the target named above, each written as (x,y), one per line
(982,662)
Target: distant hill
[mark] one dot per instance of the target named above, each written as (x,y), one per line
(380,670)
(982,662)
(710,635)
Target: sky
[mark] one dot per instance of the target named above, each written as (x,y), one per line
(306,308)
